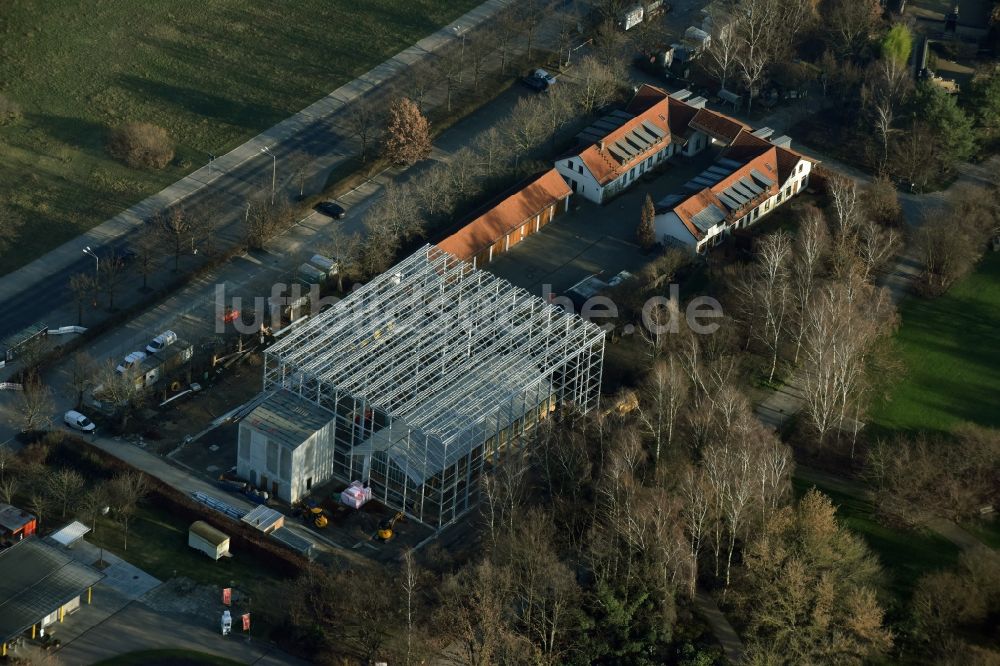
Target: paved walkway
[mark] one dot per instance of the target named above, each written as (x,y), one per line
(228,179)
(136,627)
(723,631)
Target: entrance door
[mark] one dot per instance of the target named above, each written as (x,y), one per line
(263,482)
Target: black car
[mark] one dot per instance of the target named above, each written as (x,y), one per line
(536,83)
(331,208)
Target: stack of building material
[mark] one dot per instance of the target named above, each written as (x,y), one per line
(355,495)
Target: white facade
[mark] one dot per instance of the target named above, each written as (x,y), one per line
(287,471)
(670,228)
(583,182)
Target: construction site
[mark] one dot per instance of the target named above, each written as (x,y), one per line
(414,387)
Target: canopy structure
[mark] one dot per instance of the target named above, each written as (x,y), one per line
(432,370)
(37,580)
(70,534)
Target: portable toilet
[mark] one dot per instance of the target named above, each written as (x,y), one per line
(226,625)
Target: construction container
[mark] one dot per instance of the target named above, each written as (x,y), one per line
(207,539)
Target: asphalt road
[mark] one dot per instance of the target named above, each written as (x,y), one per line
(226,195)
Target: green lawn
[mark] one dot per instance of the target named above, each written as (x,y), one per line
(950,349)
(905,554)
(213,72)
(157,543)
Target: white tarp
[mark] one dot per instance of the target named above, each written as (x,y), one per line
(70,534)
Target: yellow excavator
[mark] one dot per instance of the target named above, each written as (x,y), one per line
(385,532)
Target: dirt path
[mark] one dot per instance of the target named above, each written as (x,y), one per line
(723,631)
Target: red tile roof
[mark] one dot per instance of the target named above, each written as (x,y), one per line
(765,164)
(649,105)
(537,195)
(717,125)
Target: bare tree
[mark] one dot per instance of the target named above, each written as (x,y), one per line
(364,120)
(850,23)
(723,50)
(147,251)
(82,372)
(699,501)
(843,325)
(93,505)
(8,461)
(506,25)
(83,286)
(175,231)
(342,248)
(756,28)
(448,64)
(120,390)
(596,85)
(64,486)
(35,404)
(765,291)
(410,586)
(126,490)
(876,245)
(493,152)
(664,394)
(481,46)
(112,273)
(264,219)
(8,488)
(419,80)
(883,91)
(809,250)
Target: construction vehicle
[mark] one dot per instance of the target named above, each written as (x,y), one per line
(385,532)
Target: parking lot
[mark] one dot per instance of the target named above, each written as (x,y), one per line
(590,239)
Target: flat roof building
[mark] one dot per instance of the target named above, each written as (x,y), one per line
(38,586)
(430,373)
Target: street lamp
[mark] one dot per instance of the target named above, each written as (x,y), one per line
(104,512)
(461,58)
(93,254)
(211,158)
(274,169)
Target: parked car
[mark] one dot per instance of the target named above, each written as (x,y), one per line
(331,208)
(539,80)
(161,342)
(78,421)
(131,361)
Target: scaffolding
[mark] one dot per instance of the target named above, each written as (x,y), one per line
(433,371)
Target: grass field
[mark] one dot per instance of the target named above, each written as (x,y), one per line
(213,72)
(905,554)
(157,543)
(952,359)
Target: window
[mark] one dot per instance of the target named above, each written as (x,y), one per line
(569,163)
(580,168)
(801,166)
(309,483)
(788,191)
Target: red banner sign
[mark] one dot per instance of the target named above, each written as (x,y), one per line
(227,596)
(246,622)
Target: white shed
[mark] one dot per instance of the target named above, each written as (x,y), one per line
(207,539)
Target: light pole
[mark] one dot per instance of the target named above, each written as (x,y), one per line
(211,158)
(461,58)
(274,169)
(91,253)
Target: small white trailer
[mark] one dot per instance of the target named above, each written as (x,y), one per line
(207,539)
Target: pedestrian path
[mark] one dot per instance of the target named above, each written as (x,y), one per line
(42,269)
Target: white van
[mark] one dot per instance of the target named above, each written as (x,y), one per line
(78,421)
(161,342)
(131,361)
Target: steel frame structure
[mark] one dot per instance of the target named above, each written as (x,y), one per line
(434,370)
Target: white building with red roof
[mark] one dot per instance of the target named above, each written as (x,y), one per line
(751,179)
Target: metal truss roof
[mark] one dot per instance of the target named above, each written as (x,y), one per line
(435,343)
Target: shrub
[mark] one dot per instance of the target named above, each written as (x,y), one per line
(141,145)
